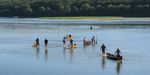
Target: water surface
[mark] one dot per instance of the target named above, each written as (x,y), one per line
(18,57)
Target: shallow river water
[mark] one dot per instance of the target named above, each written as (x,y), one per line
(18,57)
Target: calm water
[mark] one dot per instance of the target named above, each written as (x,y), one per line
(18,57)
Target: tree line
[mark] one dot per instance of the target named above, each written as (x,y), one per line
(48,8)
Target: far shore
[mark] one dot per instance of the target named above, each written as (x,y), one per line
(96,18)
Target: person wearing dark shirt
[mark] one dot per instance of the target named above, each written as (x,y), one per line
(64,40)
(93,40)
(71,42)
(91,27)
(46,42)
(118,52)
(103,47)
(37,42)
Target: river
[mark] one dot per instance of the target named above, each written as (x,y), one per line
(18,57)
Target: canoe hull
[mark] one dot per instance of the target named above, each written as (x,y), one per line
(88,42)
(114,57)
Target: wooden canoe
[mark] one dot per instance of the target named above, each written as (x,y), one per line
(113,57)
(88,42)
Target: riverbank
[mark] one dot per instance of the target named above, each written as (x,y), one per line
(96,18)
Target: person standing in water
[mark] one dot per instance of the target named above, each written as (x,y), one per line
(70,37)
(93,40)
(103,47)
(118,52)
(71,42)
(64,41)
(37,42)
(46,42)
(91,28)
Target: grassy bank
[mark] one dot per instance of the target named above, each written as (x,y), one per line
(97,18)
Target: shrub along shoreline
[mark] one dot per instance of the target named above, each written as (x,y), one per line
(96,18)
(50,8)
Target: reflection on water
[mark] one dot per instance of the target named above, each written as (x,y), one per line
(64,52)
(37,53)
(93,46)
(71,52)
(46,55)
(118,67)
(103,62)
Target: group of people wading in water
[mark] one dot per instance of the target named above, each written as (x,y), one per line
(71,44)
(37,43)
(68,42)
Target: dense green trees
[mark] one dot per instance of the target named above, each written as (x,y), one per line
(39,8)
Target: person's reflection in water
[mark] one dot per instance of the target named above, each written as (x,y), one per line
(46,55)
(118,67)
(85,47)
(93,46)
(103,62)
(64,52)
(71,51)
(37,53)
